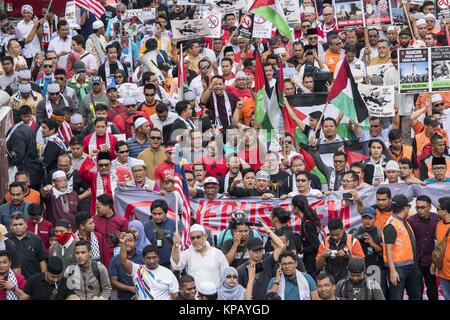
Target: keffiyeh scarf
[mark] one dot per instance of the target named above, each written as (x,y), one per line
(94,245)
(227,108)
(55,139)
(93,141)
(101,188)
(10,294)
(226,182)
(49,108)
(302,284)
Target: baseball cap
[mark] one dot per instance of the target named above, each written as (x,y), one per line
(392,165)
(406,32)
(211,180)
(96,79)
(436,98)
(400,201)
(356,265)
(369,211)
(255,244)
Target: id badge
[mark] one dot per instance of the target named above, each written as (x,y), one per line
(159,243)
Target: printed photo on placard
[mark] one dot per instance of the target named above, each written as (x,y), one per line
(414,70)
(377,12)
(440,69)
(349,13)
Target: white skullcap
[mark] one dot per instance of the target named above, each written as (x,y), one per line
(207,288)
(53,88)
(392,165)
(3,230)
(211,180)
(129,101)
(436,98)
(241,75)
(197,227)
(430,16)
(279,50)
(419,15)
(27,7)
(24,87)
(97,25)
(24,74)
(391,28)
(58,174)
(420,22)
(309,10)
(76,118)
(139,122)
(138,162)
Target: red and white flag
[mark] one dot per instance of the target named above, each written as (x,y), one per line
(93,6)
(181,191)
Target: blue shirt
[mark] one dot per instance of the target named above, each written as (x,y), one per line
(116,270)
(43,84)
(228,235)
(7,209)
(164,248)
(433,180)
(135,147)
(291,289)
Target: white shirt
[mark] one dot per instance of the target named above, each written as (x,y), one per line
(115,164)
(59,45)
(23,29)
(196,87)
(161,286)
(89,61)
(405,102)
(373,52)
(203,268)
(171,116)
(356,64)
(208,53)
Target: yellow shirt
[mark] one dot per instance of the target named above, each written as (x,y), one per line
(378,60)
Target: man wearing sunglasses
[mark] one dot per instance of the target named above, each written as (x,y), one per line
(48,77)
(54,101)
(154,154)
(201,260)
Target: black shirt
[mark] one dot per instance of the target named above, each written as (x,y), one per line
(13,252)
(38,288)
(372,258)
(276,181)
(31,251)
(241,256)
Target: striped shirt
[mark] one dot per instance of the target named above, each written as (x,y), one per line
(135,147)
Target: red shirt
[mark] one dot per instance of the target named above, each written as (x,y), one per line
(163,170)
(41,229)
(114,111)
(252,157)
(215,167)
(101,140)
(20,283)
(238,93)
(126,123)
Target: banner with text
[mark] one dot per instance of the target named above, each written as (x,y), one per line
(379,99)
(190,29)
(349,13)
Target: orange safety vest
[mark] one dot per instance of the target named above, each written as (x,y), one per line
(421,141)
(382,217)
(402,251)
(406,153)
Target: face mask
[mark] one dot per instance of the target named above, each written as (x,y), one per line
(62,238)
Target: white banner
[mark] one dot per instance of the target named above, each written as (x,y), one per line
(292,11)
(190,2)
(71,15)
(262,28)
(379,99)
(190,29)
(228,6)
(143,15)
(214,20)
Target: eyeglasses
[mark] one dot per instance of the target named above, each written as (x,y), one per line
(155,138)
(204,67)
(190,180)
(439,168)
(60,78)
(307,26)
(439,104)
(288,141)
(421,207)
(48,66)
(149,94)
(124,151)
(53,93)
(287,264)
(196,237)
(231,276)
(130,106)
(301,180)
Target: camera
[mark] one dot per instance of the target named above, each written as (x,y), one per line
(333,253)
(309,52)
(346,195)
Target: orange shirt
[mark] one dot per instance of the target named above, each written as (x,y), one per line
(331,60)
(33,196)
(441,229)
(356,249)
(149,110)
(382,218)
(423,97)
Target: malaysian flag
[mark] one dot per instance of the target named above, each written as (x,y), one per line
(181,191)
(93,6)
(182,76)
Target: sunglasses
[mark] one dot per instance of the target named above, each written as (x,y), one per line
(48,66)
(288,141)
(231,276)
(301,180)
(60,78)
(196,237)
(155,138)
(119,77)
(124,151)
(149,94)
(53,93)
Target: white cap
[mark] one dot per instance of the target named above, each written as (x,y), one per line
(420,22)
(53,88)
(391,28)
(97,25)
(392,165)
(138,162)
(430,15)
(207,288)
(279,50)
(58,174)
(197,227)
(211,180)
(419,15)
(139,122)
(436,98)
(26,8)
(309,9)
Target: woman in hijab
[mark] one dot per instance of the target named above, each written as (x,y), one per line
(137,228)
(230,289)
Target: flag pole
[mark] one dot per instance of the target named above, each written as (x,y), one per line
(405,12)
(48,8)
(320,119)
(232,35)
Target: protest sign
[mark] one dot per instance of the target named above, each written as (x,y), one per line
(292,10)
(146,16)
(214,20)
(261,28)
(442,9)
(215,214)
(228,6)
(189,29)
(349,13)
(378,69)
(440,69)
(398,16)
(246,27)
(190,2)
(378,99)
(377,12)
(71,14)
(414,70)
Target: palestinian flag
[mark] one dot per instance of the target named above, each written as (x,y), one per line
(267,110)
(345,96)
(310,165)
(272,10)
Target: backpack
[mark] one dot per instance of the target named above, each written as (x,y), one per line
(320,233)
(95,271)
(437,256)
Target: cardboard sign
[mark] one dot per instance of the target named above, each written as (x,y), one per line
(349,13)
(440,69)
(246,27)
(262,28)
(377,12)
(414,70)
(378,99)
(214,21)
(144,15)
(292,11)
(190,29)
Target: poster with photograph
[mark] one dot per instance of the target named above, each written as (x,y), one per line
(246,27)
(228,6)
(378,99)
(377,12)
(71,15)
(349,13)
(440,69)
(146,16)
(189,29)
(414,70)
(292,10)
(442,9)
(378,69)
